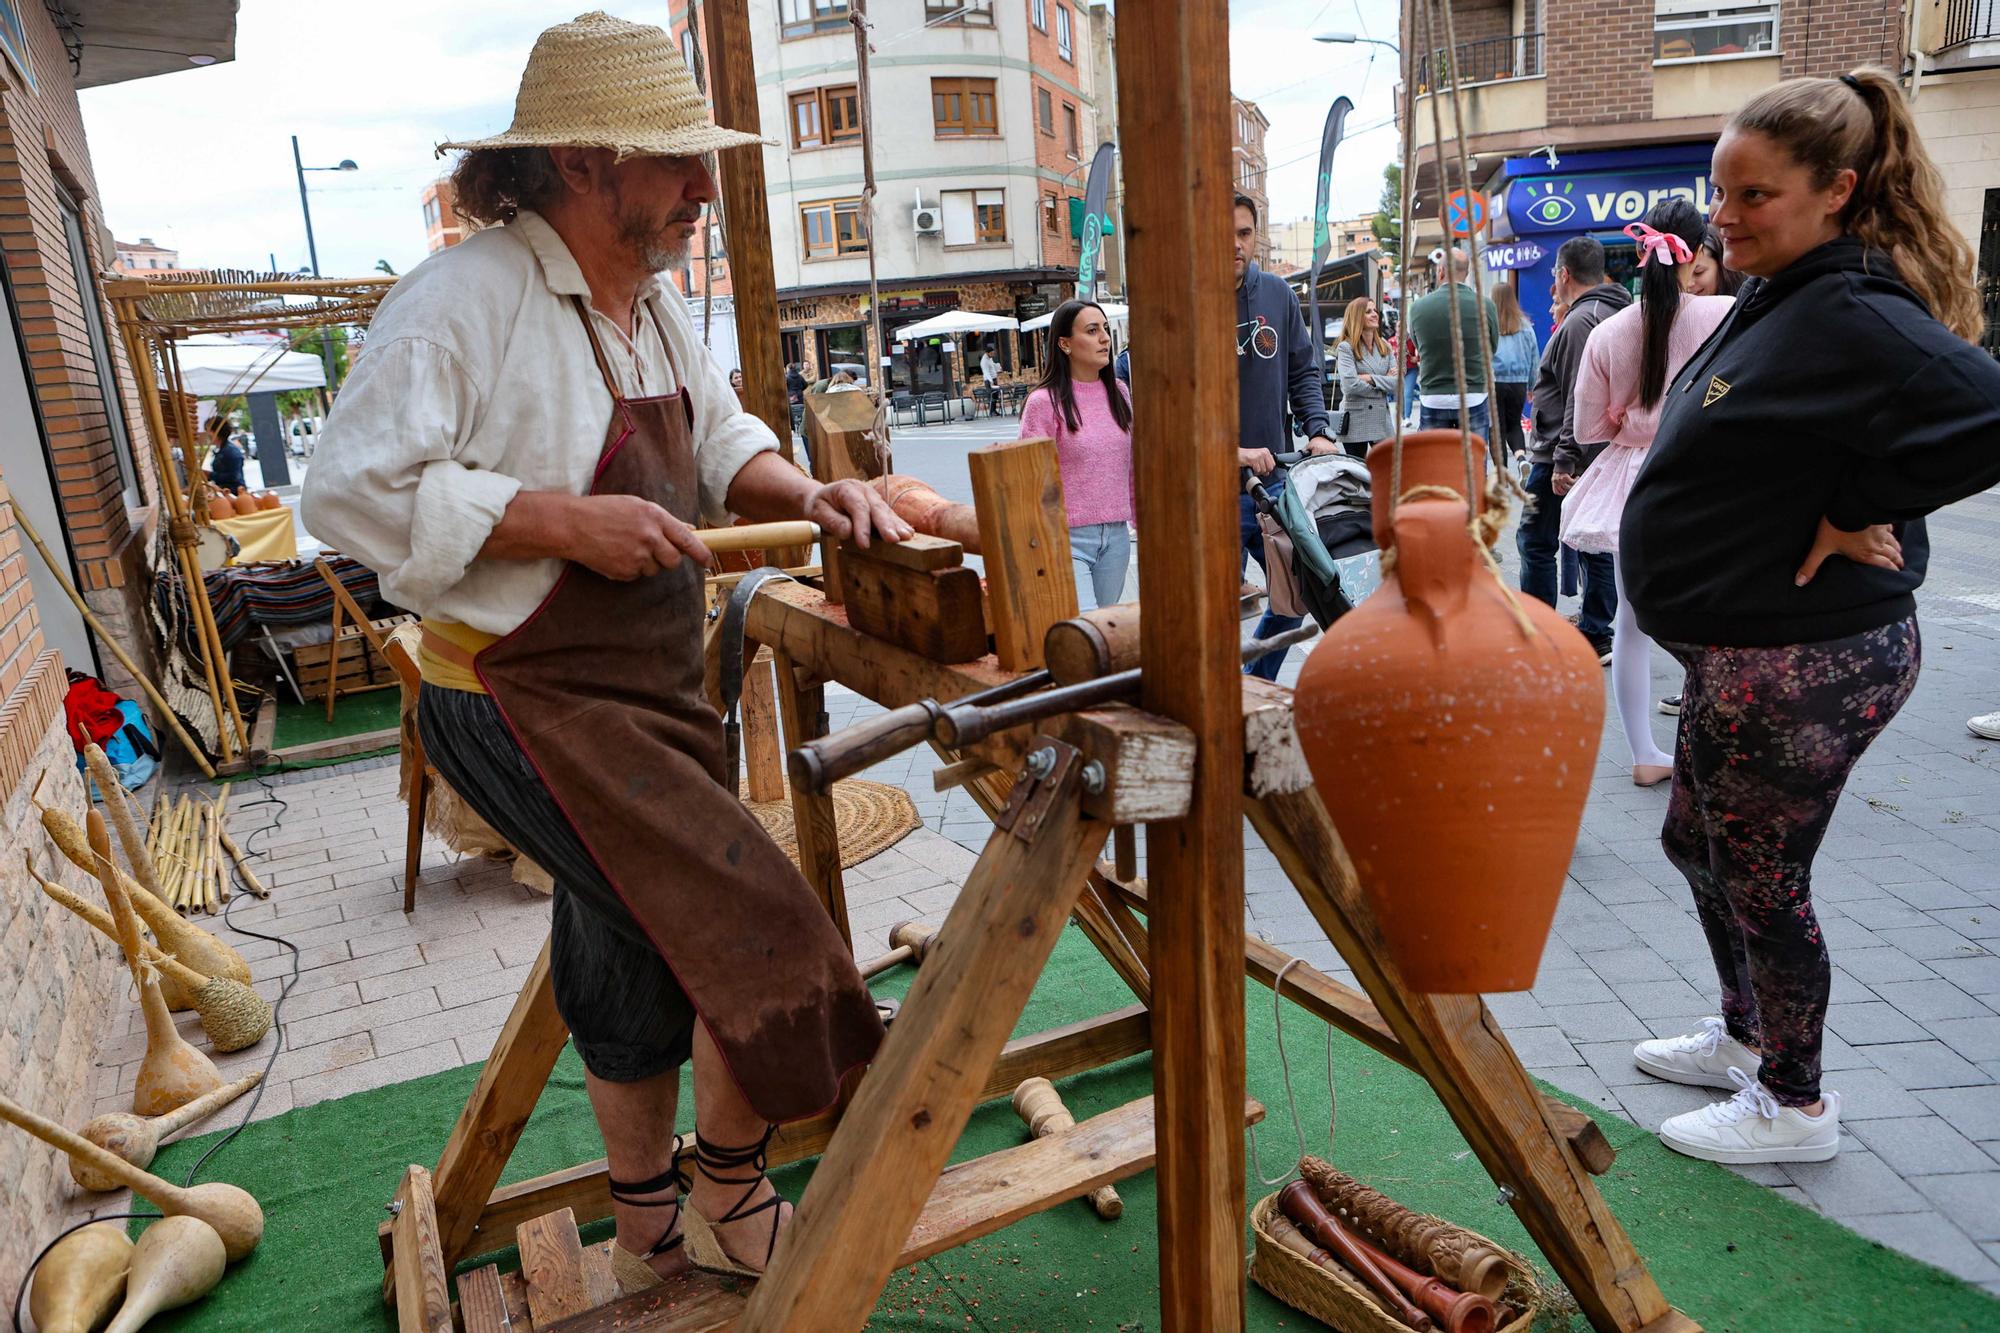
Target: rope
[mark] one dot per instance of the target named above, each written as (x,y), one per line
(1291,1098)
(1485,529)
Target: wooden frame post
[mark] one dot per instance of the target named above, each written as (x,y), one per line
(1178,212)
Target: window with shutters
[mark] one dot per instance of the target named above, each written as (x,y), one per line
(958,13)
(1038,13)
(804,18)
(962,108)
(974,217)
(822,117)
(1045,112)
(1051,219)
(1064,47)
(1705,30)
(1070,140)
(830,228)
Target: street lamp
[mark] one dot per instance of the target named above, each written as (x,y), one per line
(1349,38)
(312,249)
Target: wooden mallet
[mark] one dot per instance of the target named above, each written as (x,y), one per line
(912,942)
(1037,1102)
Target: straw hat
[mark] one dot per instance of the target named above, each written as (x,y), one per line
(600,82)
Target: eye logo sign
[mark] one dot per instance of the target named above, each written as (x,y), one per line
(1549,208)
(1257,335)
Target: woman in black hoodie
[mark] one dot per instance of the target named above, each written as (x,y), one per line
(1774,543)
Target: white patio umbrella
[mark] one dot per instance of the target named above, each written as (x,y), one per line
(220,368)
(956,321)
(1113,313)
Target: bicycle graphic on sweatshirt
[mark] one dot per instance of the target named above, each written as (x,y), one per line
(1258,335)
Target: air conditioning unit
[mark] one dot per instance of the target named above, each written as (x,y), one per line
(927,220)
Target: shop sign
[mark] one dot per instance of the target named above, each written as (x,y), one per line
(1028,307)
(1512,255)
(1589,203)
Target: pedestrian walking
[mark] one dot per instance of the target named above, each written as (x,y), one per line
(1366,364)
(1627,362)
(1443,349)
(1841,401)
(1514,359)
(1276,372)
(1084,408)
(1587,300)
(795,383)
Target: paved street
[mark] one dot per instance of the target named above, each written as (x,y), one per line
(1907,892)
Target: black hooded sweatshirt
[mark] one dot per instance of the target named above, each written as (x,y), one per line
(1829,391)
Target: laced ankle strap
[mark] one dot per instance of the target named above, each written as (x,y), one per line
(623,1190)
(710,1158)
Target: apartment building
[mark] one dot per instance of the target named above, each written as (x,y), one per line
(1953,74)
(142,256)
(1579,114)
(1292,242)
(1247,127)
(442,225)
(986,114)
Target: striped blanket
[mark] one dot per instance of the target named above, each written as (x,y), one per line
(275,595)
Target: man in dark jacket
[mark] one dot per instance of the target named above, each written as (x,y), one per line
(1555,459)
(1275,371)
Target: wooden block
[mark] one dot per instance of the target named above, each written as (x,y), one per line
(692,1302)
(1148,763)
(763,748)
(920,552)
(936,613)
(838,427)
(1101,642)
(482,1305)
(424,1298)
(515,1288)
(1024,535)
(552,1263)
(600,1285)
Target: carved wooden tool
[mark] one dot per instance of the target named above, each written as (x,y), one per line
(232,1014)
(1298,1202)
(928,512)
(172,1073)
(1421,1242)
(82,1280)
(1454,1310)
(230,1210)
(912,941)
(136,1139)
(1037,1102)
(177,1261)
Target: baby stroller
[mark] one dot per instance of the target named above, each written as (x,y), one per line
(1319,546)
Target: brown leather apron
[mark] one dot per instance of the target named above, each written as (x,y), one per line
(602,688)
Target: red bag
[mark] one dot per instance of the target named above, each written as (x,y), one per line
(91,711)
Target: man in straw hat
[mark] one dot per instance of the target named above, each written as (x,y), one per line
(523,454)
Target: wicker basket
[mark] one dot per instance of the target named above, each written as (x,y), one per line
(1340,1301)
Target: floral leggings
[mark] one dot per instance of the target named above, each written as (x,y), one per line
(1767,739)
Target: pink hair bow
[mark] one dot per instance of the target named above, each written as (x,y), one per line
(1668,248)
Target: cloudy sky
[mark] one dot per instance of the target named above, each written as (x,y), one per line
(200,160)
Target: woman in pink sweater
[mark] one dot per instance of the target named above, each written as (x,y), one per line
(1081,406)
(1627,364)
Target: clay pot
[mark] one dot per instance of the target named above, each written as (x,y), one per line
(1430,458)
(269,500)
(1455,752)
(220,506)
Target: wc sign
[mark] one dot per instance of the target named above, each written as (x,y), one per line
(1589,203)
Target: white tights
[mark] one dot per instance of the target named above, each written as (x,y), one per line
(1632,680)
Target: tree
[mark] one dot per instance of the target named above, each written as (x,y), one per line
(1388,221)
(382,266)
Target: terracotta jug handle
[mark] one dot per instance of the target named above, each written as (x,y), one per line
(1434,557)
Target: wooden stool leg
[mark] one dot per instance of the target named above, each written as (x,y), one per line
(804,711)
(413,854)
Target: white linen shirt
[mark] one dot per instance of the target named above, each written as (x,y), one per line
(478,382)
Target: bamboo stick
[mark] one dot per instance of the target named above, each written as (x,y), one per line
(236,854)
(104,636)
(218,657)
(211,883)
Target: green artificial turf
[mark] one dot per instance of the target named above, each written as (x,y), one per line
(353,715)
(1731,1254)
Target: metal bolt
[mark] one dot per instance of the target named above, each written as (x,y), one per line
(1041,763)
(394,1207)
(1093,777)
(1505,1196)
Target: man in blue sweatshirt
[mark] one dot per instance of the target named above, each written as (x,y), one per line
(1276,371)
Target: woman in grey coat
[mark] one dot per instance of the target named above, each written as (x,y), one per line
(1367,369)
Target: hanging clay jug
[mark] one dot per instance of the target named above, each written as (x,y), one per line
(1430,458)
(220,505)
(1454,746)
(269,500)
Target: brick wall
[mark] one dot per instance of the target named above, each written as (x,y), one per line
(1052,149)
(57,976)
(1600,61)
(1827,37)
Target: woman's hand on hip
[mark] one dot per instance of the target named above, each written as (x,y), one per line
(1874,545)
(851,509)
(625,537)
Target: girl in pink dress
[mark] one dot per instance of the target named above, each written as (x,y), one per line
(1627,364)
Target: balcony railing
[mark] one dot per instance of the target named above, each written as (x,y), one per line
(1970,21)
(1494,58)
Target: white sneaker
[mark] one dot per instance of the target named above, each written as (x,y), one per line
(1752,1127)
(1986,725)
(1701,1059)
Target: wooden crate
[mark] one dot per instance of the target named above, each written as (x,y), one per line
(360,668)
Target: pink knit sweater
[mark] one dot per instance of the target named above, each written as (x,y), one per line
(1096,458)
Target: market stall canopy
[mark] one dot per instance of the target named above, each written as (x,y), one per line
(223,368)
(956,321)
(1113,313)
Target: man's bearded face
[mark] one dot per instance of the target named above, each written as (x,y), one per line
(656,204)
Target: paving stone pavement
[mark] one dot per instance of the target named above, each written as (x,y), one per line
(1906,889)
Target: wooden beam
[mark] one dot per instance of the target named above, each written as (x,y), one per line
(1458,1048)
(844,1239)
(813,823)
(339,747)
(1024,538)
(1178,212)
(425,1299)
(763,743)
(732,90)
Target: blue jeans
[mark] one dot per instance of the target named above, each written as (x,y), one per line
(1409,393)
(1537,540)
(1265,667)
(1099,554)
(1446,418)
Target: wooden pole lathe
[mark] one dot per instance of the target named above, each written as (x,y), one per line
(1178,214)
